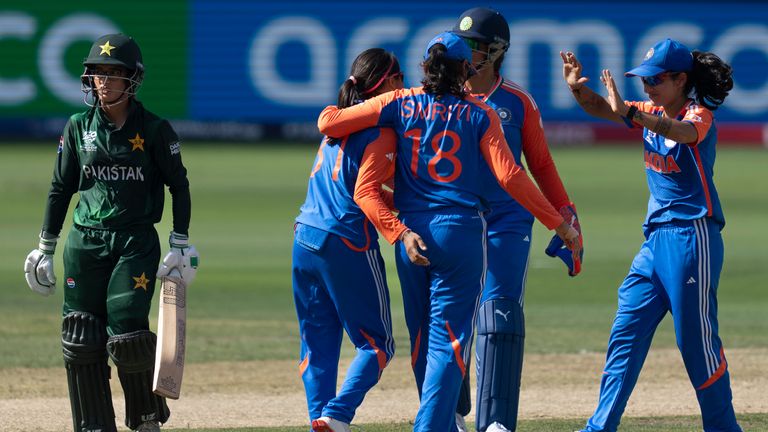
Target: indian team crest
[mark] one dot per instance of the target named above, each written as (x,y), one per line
(504,114)
(465,24)
(649,54)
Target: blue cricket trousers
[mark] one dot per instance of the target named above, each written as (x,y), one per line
(335,288)
(440,303)
(676,270)
(509,245)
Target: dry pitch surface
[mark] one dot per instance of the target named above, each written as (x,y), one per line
(269,393)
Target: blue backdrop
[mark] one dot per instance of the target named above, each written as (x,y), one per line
(283,61)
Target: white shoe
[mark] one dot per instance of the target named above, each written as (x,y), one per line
(150,426)
(497,427)
(327,424)
(460,423)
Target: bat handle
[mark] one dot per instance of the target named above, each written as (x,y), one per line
(175,273)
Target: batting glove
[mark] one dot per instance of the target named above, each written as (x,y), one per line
(182,257)
(558,248)
(38,267)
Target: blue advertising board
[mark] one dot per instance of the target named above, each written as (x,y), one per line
(282,61)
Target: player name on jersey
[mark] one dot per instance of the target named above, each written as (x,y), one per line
(411,108)
(115,172)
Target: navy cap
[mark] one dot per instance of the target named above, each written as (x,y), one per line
(483,24)
(455,46)
(667,55)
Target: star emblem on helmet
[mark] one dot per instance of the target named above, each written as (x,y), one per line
(138,142)
(106,49)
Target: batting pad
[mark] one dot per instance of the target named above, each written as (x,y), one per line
(500,336)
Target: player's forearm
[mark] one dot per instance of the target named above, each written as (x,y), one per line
(335,122)
(543,169)
(182,209)
(373,204)
(675,130)
(56,211)
(594,104)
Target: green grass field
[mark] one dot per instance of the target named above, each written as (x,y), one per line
(245,199)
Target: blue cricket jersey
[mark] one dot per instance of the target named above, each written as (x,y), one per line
(680,174)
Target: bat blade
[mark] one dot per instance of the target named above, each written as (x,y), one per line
(171,338)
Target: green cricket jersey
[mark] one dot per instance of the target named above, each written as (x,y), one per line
(119,174)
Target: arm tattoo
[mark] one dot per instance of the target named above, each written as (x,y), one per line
(662,126)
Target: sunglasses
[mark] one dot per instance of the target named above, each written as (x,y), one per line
(655,80)
(473,44)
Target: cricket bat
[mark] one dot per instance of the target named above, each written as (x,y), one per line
(171,336)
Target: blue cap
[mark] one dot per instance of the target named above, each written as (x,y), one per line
(455,46)
(667,55)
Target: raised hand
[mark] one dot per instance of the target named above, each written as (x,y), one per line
(614,98)
(572,70)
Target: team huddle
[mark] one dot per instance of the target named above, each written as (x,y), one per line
(446,158)
(436,170)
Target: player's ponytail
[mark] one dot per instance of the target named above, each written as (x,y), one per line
(443,75)
(710,79)
(366,76)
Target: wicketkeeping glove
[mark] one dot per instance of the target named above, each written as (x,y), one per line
(557,247)
(181,257)
(38,267)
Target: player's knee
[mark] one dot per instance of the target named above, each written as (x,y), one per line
(83,338)
(133,352)
(501,316)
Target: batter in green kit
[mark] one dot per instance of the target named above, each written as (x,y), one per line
(118,157)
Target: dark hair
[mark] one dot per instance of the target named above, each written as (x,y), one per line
(366,75)
(442,74)
(710,79)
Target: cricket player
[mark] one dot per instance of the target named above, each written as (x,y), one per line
(118,157)
(444,137)
(678,266)
(339,282)
(500,321)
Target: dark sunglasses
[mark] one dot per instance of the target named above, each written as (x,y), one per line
(473,44)
(655,80)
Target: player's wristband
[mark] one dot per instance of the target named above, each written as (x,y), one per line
(630,115)
(402,235)
(47,244)
(178,241)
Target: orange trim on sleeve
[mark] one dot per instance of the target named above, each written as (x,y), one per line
(336,122)
(377,168)
(700,118)
(536,152)
(511,176)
